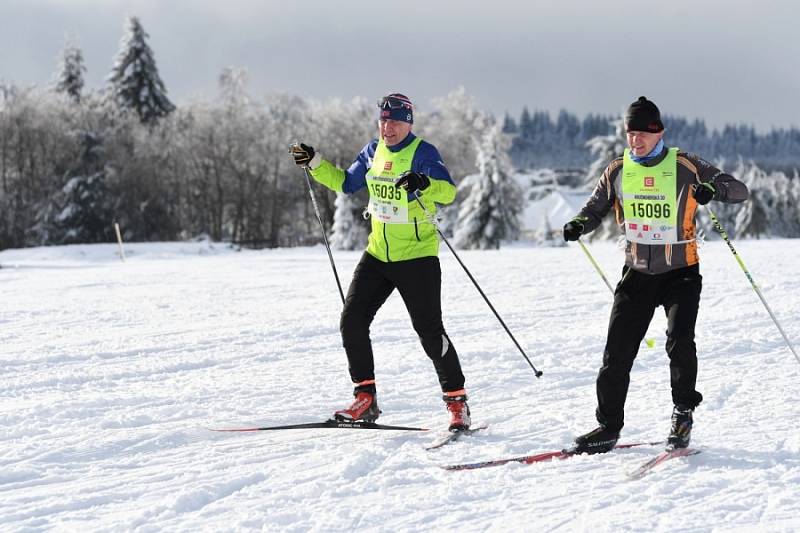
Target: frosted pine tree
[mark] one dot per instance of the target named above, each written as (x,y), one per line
(83,210)
(135,82)
(490,213)
(349,231)
(783,206)
(69,78)
(87,216)
(456,126)
(605,149)
(751,218)
(793,207)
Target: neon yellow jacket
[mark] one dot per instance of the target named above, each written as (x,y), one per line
(389,242)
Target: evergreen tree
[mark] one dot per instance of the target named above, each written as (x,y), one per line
(752,219)
(490,213)
(82,211)
(135,82)
(349,231)
(793,208)
(783,206)
(69,78)
(526,124)
(509,126)
(605,148)
(457,126)
(87,216)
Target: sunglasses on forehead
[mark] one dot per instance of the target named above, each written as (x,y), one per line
(391,102)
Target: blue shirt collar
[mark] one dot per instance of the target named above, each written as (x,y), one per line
(652,155)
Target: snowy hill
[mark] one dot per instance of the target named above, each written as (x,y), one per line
(112,372)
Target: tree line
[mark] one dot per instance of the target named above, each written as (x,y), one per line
(73,162)
(541,141)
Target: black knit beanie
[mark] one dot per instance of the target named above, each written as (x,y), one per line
(643,115)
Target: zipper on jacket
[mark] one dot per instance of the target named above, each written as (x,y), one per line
(386,240)
(416,228)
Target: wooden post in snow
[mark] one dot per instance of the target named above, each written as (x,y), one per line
(119,241)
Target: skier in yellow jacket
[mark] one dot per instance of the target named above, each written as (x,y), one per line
(402,252)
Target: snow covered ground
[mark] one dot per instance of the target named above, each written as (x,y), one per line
(112,372)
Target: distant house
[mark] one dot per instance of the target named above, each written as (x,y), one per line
(544,217)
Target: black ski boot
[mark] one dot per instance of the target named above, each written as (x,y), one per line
(681,432)
(599,440)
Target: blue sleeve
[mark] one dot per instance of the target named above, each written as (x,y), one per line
(428,161)
(355,177)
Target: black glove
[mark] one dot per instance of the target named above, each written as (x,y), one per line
(413,181)
(574,228)
(704,192)
(302,154)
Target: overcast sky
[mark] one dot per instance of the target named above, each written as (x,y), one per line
(722,60)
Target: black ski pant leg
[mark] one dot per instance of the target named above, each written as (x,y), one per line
(368,291)
(419,282)
(635,301)
(681,302)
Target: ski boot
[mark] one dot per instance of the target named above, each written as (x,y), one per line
(600,440)
(681,432)
(363,409)
(459,412)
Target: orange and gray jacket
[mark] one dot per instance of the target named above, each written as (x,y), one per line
(659,258)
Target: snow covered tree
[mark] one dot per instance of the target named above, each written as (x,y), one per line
(135,82)
(456,127)
(605,148)
(752,220)
(87,215)
(792,212)
(751,217)
(82,211)
(349,231)
(783,204)
(233,82)
(490,213)
(69,78)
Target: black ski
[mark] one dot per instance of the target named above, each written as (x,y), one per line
(666,455)
(452,436)
(328,424)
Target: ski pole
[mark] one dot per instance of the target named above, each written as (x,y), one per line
(595,265)
(322,227)
(432,220)
(650,342)
(724,234)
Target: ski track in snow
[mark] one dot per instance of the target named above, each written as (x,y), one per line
(112,372)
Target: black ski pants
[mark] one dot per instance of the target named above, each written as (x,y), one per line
(419,282)
(635,300)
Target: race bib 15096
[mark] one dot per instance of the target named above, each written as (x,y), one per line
(649,201)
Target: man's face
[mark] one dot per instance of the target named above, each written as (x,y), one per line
(393,131)
(642,142)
